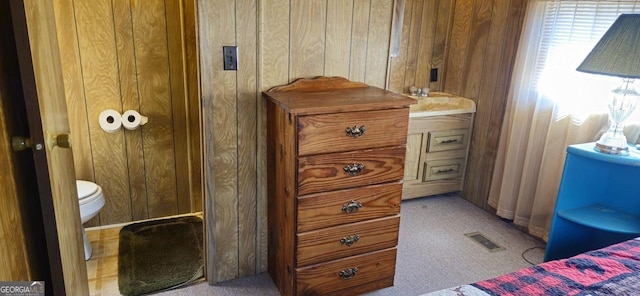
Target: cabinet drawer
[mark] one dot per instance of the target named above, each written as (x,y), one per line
(448,140)
(347,206)
(323,279)
(328,172)
(346,240)
(328,133)
(443,169)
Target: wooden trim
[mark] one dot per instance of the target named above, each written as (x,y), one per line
(35,128)
(41,74)
(246,106)
(15,247)
(176,30)
(319,83)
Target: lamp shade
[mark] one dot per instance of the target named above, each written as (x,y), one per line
(618,52)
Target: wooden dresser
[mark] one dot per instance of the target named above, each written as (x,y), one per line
(336,153)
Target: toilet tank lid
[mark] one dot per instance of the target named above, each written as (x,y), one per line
(86,188)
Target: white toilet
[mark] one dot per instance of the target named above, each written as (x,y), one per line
(91,201)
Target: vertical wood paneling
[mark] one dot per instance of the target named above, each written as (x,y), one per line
(510,15)
(129,92)
(94,20)
(476,53)
(479,67)
(193,103)
(458,46)
(378,42)
(13,245)
(308,38)
(426,31)
(359,40)
(42,80)
(495,39)
(413,45)
(477,48)
(149,33)
(273,53)
(338,39)
(399,63)
(308,21)
(74,92)
(74,89)
(246,17)
(174,13)
(440,43)
(142,57)
(427,38)
(206,35)
(219,115)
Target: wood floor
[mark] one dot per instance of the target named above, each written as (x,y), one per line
(102,267)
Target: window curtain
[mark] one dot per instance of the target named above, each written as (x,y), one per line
(551,106)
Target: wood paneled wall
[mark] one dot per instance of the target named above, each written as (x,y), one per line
(14,244)
(282,40)
(423,47)
(136,55)
(482,47)
(278,41)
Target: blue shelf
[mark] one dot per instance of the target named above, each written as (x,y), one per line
(601,217)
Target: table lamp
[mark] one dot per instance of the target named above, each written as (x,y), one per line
(617,54)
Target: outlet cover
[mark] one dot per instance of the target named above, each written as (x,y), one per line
(230,56)
(433,77)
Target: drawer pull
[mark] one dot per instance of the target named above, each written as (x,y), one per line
(445,171)
(356,131)
(354,169)
(348,273)
(449,141)
(352,207)
(350,240)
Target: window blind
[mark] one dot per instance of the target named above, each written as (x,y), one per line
(567,33)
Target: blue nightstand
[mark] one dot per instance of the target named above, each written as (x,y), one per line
(598,202)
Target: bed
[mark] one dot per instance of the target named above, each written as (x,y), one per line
(613,270)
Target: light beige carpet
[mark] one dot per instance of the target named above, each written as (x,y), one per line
(433,251)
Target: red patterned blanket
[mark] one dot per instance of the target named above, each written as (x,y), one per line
(614,270)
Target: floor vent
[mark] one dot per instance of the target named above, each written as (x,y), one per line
(484,241)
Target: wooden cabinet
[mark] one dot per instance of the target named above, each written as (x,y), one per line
(437,148)
(336,153)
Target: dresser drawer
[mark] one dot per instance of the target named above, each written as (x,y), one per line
(448,140)
(332,208)
(346,240)
(328,172)
(367,269)
(339,132)
(443,169)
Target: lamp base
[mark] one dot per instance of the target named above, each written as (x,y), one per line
(612,144)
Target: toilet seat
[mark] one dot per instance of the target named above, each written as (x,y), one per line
(87,191)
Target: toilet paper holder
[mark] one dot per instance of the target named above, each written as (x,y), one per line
(131,119)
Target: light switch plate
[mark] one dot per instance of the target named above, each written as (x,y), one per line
(230,56)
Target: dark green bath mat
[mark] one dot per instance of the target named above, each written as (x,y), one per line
(159,255)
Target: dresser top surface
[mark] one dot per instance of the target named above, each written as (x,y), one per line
(341,100)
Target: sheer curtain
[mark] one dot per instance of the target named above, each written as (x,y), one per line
(550,106)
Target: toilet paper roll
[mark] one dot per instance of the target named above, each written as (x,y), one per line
(110,120)
(131,119)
